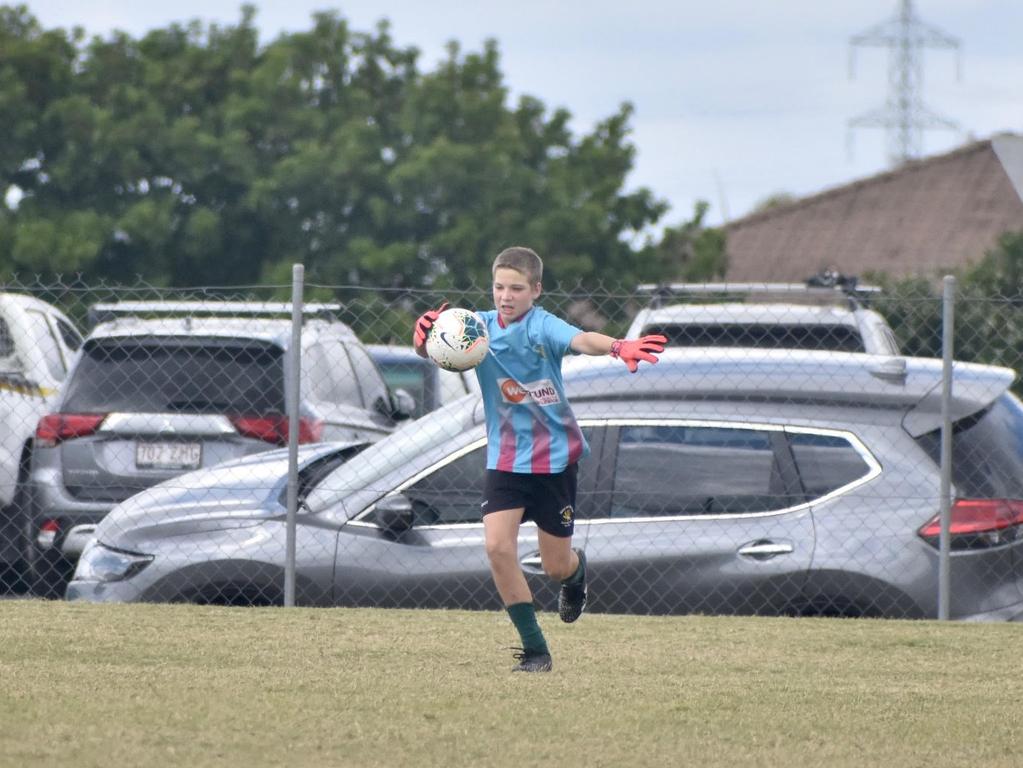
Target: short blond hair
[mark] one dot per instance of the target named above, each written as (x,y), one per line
(521,259)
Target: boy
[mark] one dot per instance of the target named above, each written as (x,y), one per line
(533,440)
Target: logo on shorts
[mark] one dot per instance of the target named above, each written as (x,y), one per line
(540,392)
(566,515)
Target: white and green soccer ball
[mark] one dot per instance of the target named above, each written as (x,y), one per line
(458,340)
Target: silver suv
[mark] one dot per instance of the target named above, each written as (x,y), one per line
(826,315)
(720,481)
(163,388)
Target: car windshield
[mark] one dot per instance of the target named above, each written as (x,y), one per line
(195,375)
(396,450)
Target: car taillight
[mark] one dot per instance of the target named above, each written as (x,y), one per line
(979,524)
(57,427)
(48,533)
(274,429)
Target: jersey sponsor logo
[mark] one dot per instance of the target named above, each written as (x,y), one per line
(540,392)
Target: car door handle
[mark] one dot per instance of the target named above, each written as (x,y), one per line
(763,550)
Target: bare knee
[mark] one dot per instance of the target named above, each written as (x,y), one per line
(501,551)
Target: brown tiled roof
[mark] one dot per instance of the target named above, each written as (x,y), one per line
(927,215)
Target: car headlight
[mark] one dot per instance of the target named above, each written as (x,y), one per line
(102,563)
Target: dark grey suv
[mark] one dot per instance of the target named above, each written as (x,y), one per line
(159,389)
(720,481)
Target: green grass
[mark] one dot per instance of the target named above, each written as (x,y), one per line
(84,685)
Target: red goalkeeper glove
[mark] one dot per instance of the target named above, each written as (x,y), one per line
(424,324)
(631,352)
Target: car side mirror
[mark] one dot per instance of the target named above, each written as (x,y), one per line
(394,514)
(403,405)
(397,406)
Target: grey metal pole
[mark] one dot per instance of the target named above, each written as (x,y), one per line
(945,539)
(294,384)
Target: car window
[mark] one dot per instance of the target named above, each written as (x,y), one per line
(987,451)
(403,447)
(47,344)
(452,493)
(196,375)
(374,389)
(72,339)
(841,338)
(7,348)
(826,462)
(329,375)
(411,377)
(665,470)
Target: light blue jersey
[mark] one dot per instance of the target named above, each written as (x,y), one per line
(530,425)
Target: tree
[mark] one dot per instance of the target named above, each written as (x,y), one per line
(988,318)
(689,252)
(196,156)
(775,200)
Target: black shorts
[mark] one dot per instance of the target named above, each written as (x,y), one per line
(549,500)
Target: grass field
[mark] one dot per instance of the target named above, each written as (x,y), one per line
(84,685)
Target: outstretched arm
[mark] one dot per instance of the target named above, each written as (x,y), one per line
(591,343)
(630,352)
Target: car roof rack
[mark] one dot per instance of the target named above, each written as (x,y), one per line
(105,312)
(824,285)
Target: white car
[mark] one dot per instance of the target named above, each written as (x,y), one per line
(774,316)
(37,342)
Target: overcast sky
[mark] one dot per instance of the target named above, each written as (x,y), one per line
(735,100)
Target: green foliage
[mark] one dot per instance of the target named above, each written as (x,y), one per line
(988,310)
(690,252)
(775,200)
(195,155)
(989,306)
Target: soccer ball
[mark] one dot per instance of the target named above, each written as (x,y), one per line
(458,340)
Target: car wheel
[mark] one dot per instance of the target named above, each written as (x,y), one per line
(13,565)
(238,595)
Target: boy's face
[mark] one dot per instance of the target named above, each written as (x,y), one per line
(513,295)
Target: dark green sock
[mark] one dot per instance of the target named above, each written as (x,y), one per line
(580,573)
(523,616)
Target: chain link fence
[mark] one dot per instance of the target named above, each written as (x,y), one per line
(758,468)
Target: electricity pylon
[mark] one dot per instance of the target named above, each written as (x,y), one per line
(904,115)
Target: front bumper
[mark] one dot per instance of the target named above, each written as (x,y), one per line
(102,592)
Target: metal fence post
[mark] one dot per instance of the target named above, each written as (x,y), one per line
(294,384)
(947,332)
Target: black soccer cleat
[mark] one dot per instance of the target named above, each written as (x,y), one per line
(533,661)
(572,599)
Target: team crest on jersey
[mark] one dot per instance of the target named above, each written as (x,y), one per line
(566,515)
(540,392)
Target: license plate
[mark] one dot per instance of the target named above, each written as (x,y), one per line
(169,455)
